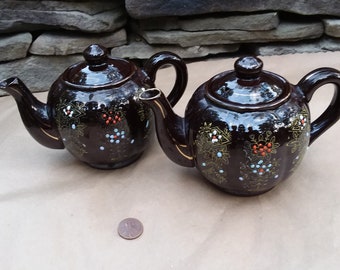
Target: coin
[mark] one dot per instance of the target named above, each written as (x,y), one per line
(130,228)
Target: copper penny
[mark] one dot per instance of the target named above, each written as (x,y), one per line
(130,228)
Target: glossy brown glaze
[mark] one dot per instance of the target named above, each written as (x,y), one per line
(246,129)
(93,108)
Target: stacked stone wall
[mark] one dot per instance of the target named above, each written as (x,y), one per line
(39,39)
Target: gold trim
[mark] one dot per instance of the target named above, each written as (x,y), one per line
(184,155)
(177,146)
(49,135)
(160,107)
(180,145)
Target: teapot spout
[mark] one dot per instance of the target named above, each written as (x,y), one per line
(35,115)
(171,128)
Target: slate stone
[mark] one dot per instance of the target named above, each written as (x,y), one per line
(14,46)
(286,31)
(332,27)
(142,9)
(89,16)
(323,45)
(142,50)
(37,72)
(263,21)
(65,43)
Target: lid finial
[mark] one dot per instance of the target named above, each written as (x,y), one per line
(96,56)
(248,67)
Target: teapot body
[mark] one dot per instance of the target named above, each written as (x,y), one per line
(105,126)
(248,152)
(93,109)
(245,129)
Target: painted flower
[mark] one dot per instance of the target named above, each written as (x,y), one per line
(298,123)
(302,121)
(261,146)
(262,149)
(260,167)
(111,117)
(116,136)
(219,154)
(214,136)
(68,111)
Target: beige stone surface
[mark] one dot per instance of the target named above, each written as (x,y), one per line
(57,213)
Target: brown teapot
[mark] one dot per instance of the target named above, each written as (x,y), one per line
(93,109)
(246,129)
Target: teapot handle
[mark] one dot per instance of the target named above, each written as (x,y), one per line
(163,58)
(309,84)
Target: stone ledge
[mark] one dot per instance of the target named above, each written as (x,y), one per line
(143,50)
(322,45)
(251,22)
(142,9)
(286,31)
(332,27)
(14,46)
(89,7)
(37,72)
(44,15)
(57,43)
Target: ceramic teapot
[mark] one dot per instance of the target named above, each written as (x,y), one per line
(246,129)
(93,110)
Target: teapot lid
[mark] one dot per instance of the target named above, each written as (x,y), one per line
(248,87)
(98,69)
